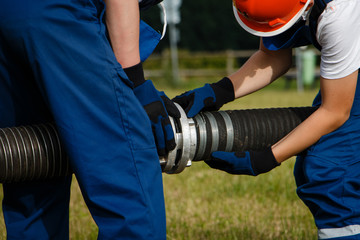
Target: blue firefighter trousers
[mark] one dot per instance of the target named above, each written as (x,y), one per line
(56,64)
(328,178)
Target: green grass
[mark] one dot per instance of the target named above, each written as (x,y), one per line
(202,203)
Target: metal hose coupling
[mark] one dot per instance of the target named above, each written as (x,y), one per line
(35,152)
(233,130)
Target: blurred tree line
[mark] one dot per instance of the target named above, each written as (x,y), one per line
(206,25)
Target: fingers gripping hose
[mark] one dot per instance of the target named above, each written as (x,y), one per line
(237,130)
(35,152)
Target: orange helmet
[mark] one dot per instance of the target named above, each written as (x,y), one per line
(267,18)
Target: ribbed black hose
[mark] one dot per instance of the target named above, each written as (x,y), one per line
(252,129)
(31,153)
(35,152)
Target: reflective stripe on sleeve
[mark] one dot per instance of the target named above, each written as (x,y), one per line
(327,233)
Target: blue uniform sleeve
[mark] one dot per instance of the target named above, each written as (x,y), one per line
(298,35)
(149,39)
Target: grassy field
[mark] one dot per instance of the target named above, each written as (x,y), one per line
(202,203)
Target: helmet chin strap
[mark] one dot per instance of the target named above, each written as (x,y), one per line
(164,19)
(307,12)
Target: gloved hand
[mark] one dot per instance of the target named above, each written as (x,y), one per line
(245,163)
(158,107)
(210,97)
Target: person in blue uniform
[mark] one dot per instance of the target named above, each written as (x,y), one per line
(78,65)
(327,171)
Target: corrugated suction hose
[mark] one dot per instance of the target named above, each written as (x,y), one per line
(35,152)
(31,153)
(239,130)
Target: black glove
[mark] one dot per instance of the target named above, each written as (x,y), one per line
(210,97)
(246,163)
(158,107)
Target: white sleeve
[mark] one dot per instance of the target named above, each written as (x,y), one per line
(338,33)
